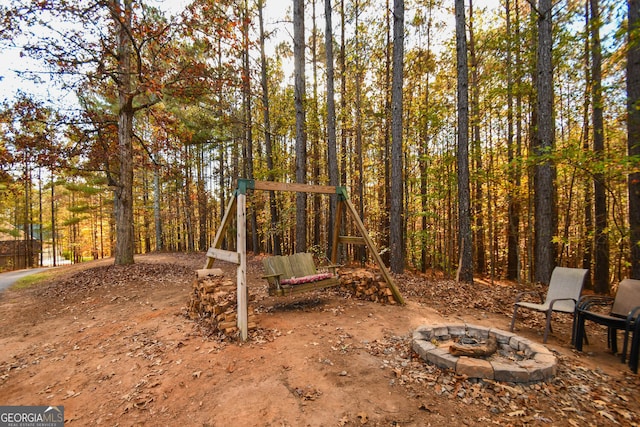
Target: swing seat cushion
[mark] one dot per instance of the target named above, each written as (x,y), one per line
(306,279)
(296,274)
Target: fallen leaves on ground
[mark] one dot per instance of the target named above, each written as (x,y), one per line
(584,395)
(575,396)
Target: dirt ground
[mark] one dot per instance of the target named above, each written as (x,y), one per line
(114,346)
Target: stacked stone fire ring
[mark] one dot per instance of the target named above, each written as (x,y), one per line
(517,359)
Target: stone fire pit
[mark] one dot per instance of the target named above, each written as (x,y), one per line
(517,359)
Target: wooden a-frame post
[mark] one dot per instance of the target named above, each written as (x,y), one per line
(239,257)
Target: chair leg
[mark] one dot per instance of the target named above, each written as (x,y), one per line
(578,327)
(613,339)
(513,318)
(579,332)
(625,345)
(547,327)
(635,349)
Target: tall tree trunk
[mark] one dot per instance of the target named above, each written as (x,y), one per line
(315,133)
(520,126)
(40,214)
(481,262)
(156,208)
(332,160)
(587,255)
(359,172)
(396,237)
(146,220)
(201,196)
(273,208)
(465,265)
(424,152)
(73,232)
(343,117)
(450,218)
(545,212)
(513,229)
(26,219)
(384,199)
(633,129)
(222,202)
(124,188)
(248,120)
(301,138)
(531,109)
(601,265)
(187,220)
(54,230)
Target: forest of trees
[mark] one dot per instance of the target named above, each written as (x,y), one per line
(524,156)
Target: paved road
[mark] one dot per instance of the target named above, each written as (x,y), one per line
(9,278)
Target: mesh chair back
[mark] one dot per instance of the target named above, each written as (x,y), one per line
(565,283)
(627,297)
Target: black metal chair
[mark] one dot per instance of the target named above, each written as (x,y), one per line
(622,315)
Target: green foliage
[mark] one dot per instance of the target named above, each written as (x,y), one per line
(32,280)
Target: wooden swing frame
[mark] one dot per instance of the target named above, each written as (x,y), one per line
(239,257)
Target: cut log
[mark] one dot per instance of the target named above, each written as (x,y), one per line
(366,284)
(482,350)
(205,272)
(213,301)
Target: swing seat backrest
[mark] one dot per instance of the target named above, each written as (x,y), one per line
(302,264)
(295,273)
(279,265)
(288,267)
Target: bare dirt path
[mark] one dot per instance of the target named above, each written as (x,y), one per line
(113,345)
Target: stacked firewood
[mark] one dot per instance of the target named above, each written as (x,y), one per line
(366,284)
(214,301)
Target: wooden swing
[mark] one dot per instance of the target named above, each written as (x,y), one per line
(239,257)
(296,274)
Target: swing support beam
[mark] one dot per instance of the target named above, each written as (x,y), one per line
(239,257)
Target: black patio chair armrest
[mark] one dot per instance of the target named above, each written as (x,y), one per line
(632,318)
(588,301)
(633,314)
